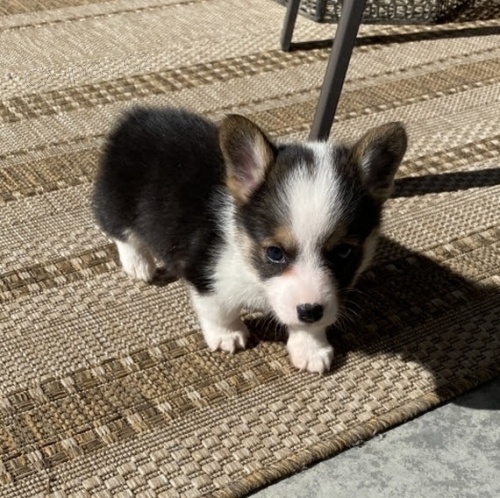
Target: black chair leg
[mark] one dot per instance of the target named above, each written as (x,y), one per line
(338,62)
(292,10)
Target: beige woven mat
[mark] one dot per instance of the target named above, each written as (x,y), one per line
(106,387)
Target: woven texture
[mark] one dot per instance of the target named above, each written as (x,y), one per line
(106,386)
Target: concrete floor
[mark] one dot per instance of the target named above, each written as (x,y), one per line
(453,451)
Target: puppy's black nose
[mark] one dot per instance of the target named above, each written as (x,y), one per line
(309,313)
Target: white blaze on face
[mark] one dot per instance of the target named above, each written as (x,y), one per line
(312,198)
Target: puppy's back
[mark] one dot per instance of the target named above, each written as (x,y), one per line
(158,175)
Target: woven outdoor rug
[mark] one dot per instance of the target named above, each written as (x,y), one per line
(106,386)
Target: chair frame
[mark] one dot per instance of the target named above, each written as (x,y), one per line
(338,62)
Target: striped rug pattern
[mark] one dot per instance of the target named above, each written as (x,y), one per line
(106,386)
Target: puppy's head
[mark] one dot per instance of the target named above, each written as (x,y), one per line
(307,215)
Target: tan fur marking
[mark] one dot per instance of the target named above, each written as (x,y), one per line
(235,188)
(283,238)
(246,245)
(337,237)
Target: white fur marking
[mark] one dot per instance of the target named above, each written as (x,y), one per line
(310,350)
(245,290)
(307,283)
(313,198)
(221,329)
(136,258)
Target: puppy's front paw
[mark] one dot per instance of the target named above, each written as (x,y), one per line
(227,339)
(306,353)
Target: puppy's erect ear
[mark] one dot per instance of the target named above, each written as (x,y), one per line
(248,153)
(379,153)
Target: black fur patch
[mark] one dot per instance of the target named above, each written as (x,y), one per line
(361,215)
(157,178)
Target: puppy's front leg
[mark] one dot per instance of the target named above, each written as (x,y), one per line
(309,349)
(222,328)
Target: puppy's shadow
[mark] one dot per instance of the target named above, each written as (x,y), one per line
(163,277)
(411,306)
(440,310)
(446,182)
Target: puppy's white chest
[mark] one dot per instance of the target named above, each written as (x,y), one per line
(237,285)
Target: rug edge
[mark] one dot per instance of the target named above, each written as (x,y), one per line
(359,435)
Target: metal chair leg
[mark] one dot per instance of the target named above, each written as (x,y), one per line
(292,10)
(338,62)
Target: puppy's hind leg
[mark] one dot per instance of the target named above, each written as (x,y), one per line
(136,258)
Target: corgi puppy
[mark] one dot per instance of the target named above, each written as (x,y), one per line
(246,222)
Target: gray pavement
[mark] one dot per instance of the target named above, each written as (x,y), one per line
(451,452)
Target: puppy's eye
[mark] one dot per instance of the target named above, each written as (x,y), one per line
(340,253)
(275,254)
(343,251)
